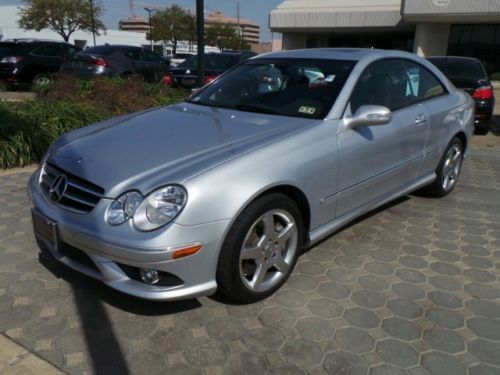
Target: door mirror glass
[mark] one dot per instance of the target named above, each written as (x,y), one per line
(369,115)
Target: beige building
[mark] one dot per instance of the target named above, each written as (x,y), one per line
(427,27)
(135,23)
(250,29)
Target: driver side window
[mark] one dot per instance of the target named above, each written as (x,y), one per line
(383,83)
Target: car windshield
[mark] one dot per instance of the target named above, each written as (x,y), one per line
(287,87)
(217,61)
(460,69)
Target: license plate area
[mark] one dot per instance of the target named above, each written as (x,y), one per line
(45,228)
(188,81)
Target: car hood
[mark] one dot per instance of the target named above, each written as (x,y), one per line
(167,145)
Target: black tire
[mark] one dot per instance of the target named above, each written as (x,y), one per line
(230,267)
(438,188)
(481,129)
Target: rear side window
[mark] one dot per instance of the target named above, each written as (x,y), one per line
(383,83)
(134,54)
(49,50)
(152,57)
(423,84)
(70,51)
(100,50)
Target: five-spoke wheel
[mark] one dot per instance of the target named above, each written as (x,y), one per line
(261,249)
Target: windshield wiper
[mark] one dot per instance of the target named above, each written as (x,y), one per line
(255,108)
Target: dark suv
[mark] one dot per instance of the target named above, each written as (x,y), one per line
(469,75)
(186,73)
(25,62)
(117,60)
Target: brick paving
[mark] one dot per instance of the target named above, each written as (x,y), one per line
(410,289)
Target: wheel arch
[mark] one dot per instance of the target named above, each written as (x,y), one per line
(463,138)
(299,198)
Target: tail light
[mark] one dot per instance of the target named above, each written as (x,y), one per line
(483,93)
(100,61)
(209,79)
(11,59)
(168,79)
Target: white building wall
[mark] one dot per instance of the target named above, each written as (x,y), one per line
(431,39)
(9,29)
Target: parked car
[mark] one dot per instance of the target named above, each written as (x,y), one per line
(223,190)
(117,60)
(28,62)
(469,75)
(186,73)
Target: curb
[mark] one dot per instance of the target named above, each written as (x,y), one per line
(11,171)
(14,359)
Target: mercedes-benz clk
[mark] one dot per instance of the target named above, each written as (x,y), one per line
(222,191)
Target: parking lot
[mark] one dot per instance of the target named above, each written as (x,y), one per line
(412,288)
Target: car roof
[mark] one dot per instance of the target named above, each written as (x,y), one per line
(352,54)
(456,58)
(31,40)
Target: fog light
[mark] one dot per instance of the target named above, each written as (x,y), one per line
(149,276)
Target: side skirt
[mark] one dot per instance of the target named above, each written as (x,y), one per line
(327,229)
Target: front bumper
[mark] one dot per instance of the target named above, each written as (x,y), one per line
(111,251)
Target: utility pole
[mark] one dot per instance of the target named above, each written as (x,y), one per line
(92,17)
(150,26)
(200,29)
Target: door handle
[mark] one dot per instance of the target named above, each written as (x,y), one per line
(421,119)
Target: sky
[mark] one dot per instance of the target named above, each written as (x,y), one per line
(255,10)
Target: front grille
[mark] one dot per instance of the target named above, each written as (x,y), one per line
(80,196)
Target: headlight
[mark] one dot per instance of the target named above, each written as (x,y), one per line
(123,208)
(160,207)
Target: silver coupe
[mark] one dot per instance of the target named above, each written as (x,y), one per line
(222,191)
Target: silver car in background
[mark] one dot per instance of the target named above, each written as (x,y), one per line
(222,191)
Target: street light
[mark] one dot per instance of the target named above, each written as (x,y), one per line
(150,26)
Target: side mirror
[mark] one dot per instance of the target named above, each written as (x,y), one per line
(369,115)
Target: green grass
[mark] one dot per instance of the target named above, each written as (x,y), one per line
(28,129)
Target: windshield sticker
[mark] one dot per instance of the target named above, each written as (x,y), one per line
(307,110)
(330,78)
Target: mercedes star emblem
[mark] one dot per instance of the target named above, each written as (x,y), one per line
(58,188)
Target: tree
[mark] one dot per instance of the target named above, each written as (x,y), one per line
(225,36)
(172,24)
(62,16)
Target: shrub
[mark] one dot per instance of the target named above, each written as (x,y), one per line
(28,129)
(495,76)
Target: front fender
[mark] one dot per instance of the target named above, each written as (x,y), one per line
(307,161)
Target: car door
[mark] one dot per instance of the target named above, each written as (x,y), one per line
(156,67)
(47,58)
(136,60)
(378,160)
(429,91)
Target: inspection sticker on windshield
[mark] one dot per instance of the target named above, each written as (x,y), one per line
(307,110)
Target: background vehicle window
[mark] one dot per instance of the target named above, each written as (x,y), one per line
(49,50)
(152,57)
(134,54)
(70,51)
(423,84)
(382,83)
